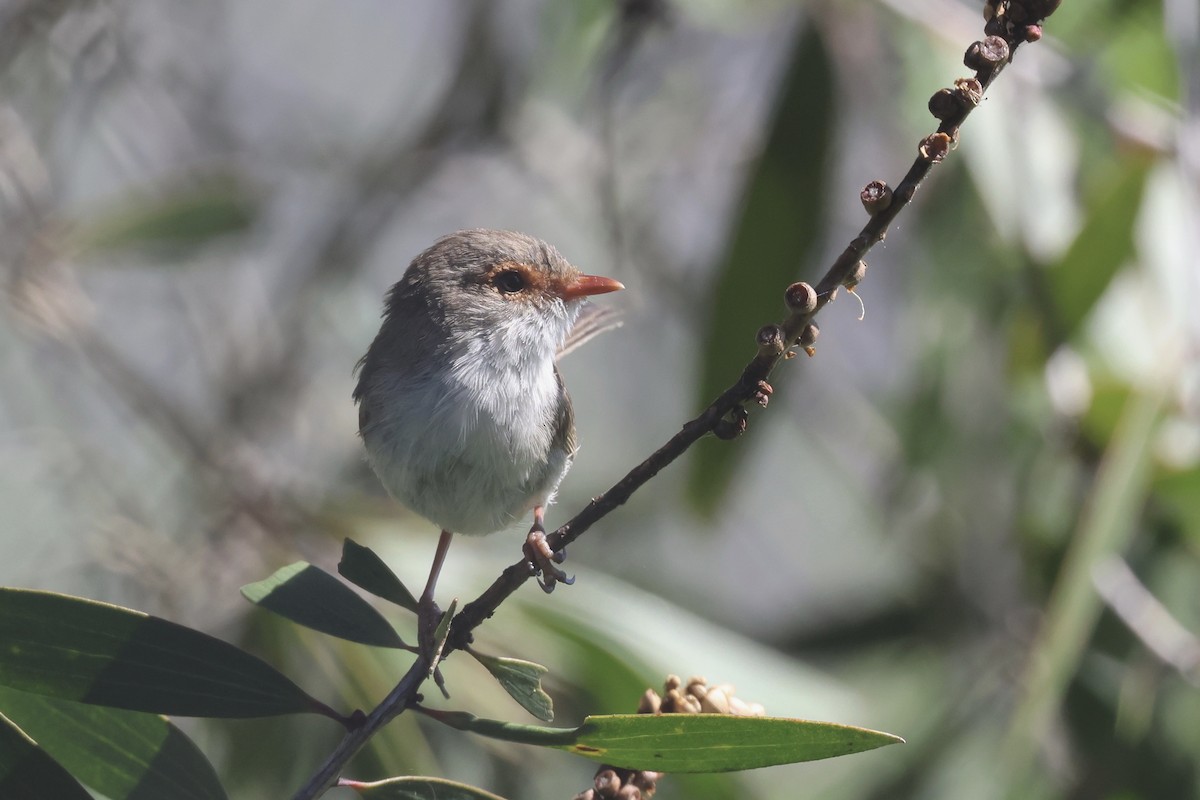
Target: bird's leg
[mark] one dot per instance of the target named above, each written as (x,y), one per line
(541,558)
(428,613)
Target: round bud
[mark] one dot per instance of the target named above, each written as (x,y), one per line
(1033,33)
(973,58)
(715,701)
(935,147)
(770,339)
(856,275)
(876,196)
(944,104)
(969,90)
(801,298)
(808,337)
(650,703)
(994,50)
(607,783)
(645,779)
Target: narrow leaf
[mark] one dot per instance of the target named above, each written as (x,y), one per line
(311,597)
(364,569)
(28,773)
(416,788)
(771,241)
(124,755)
(522,680)
(93,652)
(685,742)
(180,220)
(1103,245)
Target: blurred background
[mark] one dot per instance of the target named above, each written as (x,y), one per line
(973,519)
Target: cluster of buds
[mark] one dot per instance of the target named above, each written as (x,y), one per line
(694,697)
(697,697)
(1021,19)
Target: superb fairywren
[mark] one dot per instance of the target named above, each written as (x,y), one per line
(461,407)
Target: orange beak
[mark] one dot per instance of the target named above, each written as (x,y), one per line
(586,285)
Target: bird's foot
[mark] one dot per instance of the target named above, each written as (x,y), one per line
(762,393)
(542,559)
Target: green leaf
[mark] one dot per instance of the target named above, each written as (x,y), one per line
(364,569)
(1103,245)
(93,652)
(28,773)
(177,221)
(1179,492)
(416,788)
(124,755)
(522,680)
(685,742)
(777,232)
(311,597)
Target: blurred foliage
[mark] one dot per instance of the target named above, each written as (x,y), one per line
(776,232)
(1017,418)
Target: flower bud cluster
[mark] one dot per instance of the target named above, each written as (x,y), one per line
(1018,19)
(693,697)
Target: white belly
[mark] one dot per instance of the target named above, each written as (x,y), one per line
(466,458)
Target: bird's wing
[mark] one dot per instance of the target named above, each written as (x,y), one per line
(593,320)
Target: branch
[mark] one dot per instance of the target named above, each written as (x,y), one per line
(1009,23)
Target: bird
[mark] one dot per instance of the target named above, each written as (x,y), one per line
(462,411)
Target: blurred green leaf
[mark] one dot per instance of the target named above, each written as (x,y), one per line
(416,788)
(686,742)
(93,652)
(1141,58)
(28,773)
(177,221)
(1180,492)
(522,680)
(364,569)
(1109,400)
(777,231)
(1103,244)
(124,755)
(311,597)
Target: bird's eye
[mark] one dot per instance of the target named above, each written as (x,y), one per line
(509,282)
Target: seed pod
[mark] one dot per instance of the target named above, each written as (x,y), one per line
(935,147)
(808,337)
(973,58)
(856,275)
(801,298)
(994,50)
(770,340)
(876,196)
(969,90)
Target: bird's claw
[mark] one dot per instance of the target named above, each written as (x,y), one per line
(542,559)
(762,393)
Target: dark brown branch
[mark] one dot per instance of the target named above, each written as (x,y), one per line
(1007,29)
